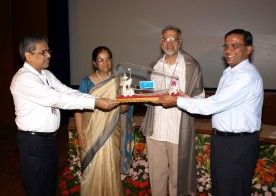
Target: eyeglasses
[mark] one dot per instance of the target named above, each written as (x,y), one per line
(43,52)
(101,60)
(170,39)
(232,46)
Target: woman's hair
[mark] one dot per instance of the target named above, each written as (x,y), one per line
(98,50)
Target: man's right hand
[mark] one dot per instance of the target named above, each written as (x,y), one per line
(167,101)
(105,104)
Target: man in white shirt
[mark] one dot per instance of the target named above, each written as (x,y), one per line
(237,110)
(37,96)
(170,138)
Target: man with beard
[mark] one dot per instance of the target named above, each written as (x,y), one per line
(170,131)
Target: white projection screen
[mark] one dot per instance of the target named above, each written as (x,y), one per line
(131,29)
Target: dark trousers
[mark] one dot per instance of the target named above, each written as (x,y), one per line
(38,163)
(233,161)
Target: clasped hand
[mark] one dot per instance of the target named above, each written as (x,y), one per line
(168,100)
(105,104)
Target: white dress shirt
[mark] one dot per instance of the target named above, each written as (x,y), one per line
(237,104)
(37,98)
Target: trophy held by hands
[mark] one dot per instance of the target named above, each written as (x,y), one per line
(136,83)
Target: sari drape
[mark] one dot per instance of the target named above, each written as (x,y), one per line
(102,174)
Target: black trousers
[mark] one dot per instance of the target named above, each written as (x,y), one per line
(38,163)
(233,161)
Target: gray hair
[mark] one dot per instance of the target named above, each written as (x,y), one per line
(29,42)
(172,27)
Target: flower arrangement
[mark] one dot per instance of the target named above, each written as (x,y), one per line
(203,164)
(264,180)
(69,182)
(137,182)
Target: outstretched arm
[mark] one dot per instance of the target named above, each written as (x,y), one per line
(167,101)
(105,104)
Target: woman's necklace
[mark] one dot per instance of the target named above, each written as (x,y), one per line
(101,77)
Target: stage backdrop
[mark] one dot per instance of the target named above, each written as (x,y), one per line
(131,29)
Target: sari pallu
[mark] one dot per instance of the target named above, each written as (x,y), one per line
(102,129)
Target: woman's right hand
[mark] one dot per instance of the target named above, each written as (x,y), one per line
(82,142)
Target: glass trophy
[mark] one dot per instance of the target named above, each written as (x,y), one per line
(138,83)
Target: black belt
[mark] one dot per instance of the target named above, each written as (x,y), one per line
(42,134)
(221,133)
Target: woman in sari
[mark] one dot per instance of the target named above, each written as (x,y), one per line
(105,137)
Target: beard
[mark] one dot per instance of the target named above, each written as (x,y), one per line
(169,53)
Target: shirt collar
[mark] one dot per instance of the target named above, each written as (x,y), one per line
(32,70)
(238,67)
